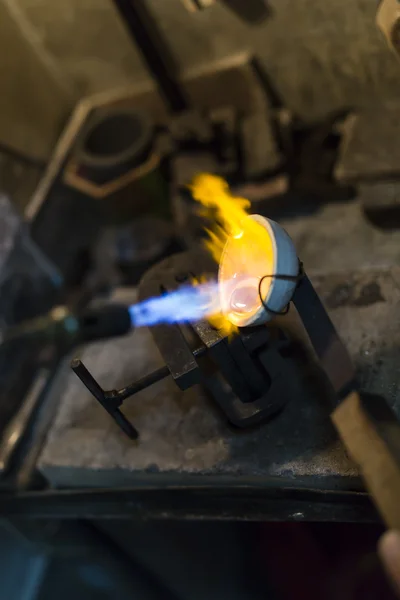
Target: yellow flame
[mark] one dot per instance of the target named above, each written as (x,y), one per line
(251,245)
(222,323)
(214,194)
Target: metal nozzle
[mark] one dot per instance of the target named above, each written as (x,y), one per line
(62,326)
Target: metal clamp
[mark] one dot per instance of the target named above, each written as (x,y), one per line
(249,378)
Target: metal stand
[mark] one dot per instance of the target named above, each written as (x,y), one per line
(247,376)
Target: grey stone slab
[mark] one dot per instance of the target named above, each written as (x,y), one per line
(180,429)
(355,269)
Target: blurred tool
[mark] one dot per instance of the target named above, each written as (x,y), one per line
(65,327)
(388,20)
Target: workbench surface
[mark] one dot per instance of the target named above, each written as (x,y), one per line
(292,467)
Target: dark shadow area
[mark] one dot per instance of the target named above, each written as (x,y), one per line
(171,560)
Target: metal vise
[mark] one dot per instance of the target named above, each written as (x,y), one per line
(247,375)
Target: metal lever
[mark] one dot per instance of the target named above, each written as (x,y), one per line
(110,401)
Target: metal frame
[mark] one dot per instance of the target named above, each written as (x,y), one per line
(203,497)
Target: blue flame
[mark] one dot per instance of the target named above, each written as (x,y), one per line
(184,305)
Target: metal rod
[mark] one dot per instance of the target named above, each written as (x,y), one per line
(87,379)
(155,52)
(146,381)
(125,425)
(141,384)
(333,355)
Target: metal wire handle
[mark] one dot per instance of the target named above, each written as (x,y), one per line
(295,278)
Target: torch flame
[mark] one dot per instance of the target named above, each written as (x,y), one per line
(245,248)
(251,251)
(214,194)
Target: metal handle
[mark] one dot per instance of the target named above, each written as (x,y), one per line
(112,400)
(109,403)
